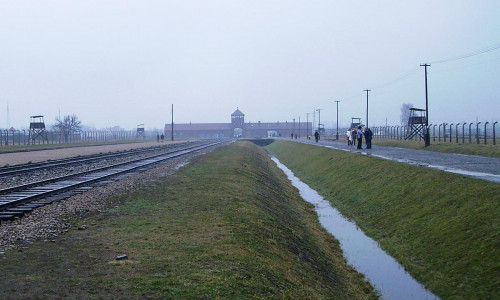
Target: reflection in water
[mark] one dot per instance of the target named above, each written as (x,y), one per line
(362,252)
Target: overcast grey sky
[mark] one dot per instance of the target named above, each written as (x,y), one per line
(118,62)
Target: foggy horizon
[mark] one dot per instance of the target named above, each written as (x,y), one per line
(124,63)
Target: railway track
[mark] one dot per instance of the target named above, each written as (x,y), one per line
(30,167)
(18,200)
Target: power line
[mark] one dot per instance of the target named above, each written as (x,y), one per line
(401,77)
(455,68)
(415,70)
(466,55)
(353,97)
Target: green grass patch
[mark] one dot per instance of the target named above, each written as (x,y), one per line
(488,150)
(229,225)
(444,228)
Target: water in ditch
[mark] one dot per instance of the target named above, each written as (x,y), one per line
(362,252)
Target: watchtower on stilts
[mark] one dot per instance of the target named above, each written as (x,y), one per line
(355,122)
(37,130)
(416,123)
(140,131)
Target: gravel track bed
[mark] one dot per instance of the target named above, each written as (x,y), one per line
(44,174)
(50,221)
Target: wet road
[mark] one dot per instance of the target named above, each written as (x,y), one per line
(486,168)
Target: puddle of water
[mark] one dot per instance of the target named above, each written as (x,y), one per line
(361,252)
(479,175)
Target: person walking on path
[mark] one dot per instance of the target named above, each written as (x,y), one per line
(360,137)
(368,137)
(158,137)
(348,137)
(162,137)
(353,136)
(316,136)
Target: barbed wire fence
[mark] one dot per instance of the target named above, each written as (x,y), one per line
(22,137)
(459,133)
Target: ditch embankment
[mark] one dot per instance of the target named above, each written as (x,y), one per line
(229,225)
(443,228)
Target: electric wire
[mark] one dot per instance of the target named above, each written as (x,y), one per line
(470,54)
(466,55)
(455,68)
(401,77)
(415,70)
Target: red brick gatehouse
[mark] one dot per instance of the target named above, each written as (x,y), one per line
(237,128)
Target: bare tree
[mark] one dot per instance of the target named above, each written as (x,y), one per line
(67,126)
(405,113)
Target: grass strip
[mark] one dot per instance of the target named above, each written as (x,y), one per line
(444,228)
(488,150)
(229,225)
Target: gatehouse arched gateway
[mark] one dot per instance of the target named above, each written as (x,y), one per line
(238,132)
(237,129)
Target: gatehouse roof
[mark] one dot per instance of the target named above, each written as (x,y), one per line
(237,113)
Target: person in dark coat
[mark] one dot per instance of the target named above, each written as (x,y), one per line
(360,137)
(368,137)
(316,136)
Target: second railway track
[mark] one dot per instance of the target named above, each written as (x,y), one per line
(17,200)
(86,159)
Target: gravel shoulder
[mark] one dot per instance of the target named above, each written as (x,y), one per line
(50,221)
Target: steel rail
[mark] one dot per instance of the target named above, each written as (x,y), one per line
(50,180)
(23,168)
(21,200)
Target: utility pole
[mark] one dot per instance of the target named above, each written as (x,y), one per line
(427,136)
(337,136)
(307,126)
(367,107)
(314,121)
(8,116)
(299,127)
(319,119)
(172,127)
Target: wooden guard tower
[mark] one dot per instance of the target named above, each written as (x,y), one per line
(140,131)
(355,122)
(416,123)
(37,129)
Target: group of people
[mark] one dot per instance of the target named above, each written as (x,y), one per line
(158,137)
(356,134)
